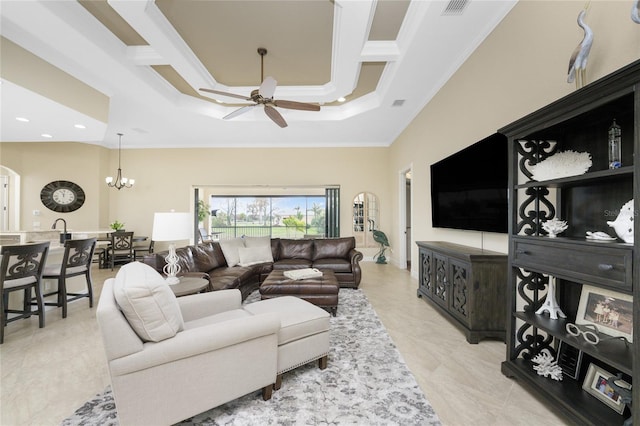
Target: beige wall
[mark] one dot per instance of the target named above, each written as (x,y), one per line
(519,68)
(165,178)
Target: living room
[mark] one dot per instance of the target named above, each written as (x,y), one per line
(520,67)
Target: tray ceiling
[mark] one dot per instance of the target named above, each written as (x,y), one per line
(146,60)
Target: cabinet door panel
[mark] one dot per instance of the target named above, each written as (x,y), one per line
(426,273)
(459,274)
(441,282)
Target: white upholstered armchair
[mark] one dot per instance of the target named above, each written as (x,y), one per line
(214,353)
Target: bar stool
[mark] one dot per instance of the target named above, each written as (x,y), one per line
(21,269)
(76,261)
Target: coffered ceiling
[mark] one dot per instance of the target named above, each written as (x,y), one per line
(135,67)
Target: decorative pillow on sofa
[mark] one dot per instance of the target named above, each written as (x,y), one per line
(254,255)
(257,241)
(147,302)
(230,250)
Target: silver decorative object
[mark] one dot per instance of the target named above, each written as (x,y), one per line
(615,142)
(623,225)
(554,227)
(578,60)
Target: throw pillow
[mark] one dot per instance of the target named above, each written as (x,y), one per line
(230,250)
(147,302)
(257,241)
(253,255)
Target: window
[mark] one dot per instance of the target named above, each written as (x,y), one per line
(275,216)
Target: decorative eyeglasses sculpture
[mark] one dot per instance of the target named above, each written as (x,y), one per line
(591,334)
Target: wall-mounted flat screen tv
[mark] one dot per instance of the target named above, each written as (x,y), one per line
(469,189)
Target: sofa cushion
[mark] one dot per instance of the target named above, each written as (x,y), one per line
(147,302)
(254,255)
(230,250)
(284,264)
(333,248)
(336,265)
(296,249)
(204,257)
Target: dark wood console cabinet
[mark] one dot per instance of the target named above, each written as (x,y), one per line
(466,284)
(578,266)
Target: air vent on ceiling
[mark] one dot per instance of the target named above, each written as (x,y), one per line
(398,103)
(455,7)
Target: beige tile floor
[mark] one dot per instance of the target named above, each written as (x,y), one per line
(48,373)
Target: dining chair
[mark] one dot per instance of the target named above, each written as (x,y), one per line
(21,269)
(139,251)
(121,248)
(76,261)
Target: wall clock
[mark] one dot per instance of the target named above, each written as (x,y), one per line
(62,196)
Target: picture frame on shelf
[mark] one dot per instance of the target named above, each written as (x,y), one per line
(610,311)
(569,359)
(596,384)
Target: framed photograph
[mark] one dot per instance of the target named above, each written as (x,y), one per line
(596,384)
(569,359)
(610,311)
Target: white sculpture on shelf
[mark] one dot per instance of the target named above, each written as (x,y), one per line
(554,226)
(623,225)
(550,303)
(547,366)
(562,164)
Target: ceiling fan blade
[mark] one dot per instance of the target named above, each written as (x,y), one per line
(275,116)
(268,87)
(238,112)
(231,95)
(297,105)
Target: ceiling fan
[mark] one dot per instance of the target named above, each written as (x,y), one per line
(264,96)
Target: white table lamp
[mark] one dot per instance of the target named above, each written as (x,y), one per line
(172,226)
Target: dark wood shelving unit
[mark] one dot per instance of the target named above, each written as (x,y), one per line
(578,122)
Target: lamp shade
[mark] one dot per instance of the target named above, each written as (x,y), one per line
(172,226)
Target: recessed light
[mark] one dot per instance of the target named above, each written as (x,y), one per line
(79,126)
(46,135)
(24,120)
(342,99)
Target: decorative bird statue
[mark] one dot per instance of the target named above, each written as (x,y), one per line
(381,238)
(635,12)
(578,61)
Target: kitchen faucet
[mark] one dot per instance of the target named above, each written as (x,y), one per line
(63,237)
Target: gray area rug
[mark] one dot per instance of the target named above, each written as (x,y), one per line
(366,383)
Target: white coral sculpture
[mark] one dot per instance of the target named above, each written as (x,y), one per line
(547,366)
(562,164)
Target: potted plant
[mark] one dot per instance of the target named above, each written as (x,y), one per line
(117,226)
(203,211)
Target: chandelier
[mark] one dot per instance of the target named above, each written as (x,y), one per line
(120,182)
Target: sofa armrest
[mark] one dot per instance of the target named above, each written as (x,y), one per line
(355,257)
(200,340)
(202,305)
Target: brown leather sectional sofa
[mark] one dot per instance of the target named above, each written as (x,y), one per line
(337,254)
